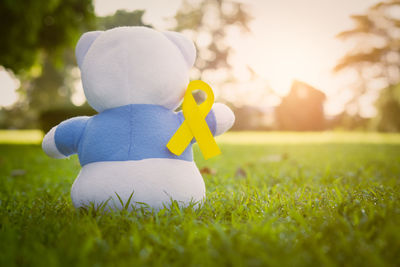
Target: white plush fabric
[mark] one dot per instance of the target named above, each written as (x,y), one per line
(185,46)
(224,117)
(84,44)
(135,65)
(49,146)
(153,181)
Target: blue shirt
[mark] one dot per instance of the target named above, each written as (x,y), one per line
(131,132)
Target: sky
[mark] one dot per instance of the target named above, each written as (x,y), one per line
(289,39)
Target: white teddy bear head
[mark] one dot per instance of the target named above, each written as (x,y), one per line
(134,65)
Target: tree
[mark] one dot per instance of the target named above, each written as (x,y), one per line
(212,24)
(376,54)
(388,104)
(55,86)
(37,27)
(36,46)
(47,95)
(209,23)
(121,18)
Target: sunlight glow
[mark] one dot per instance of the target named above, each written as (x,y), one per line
(78,97)
(298,43)
(8,86)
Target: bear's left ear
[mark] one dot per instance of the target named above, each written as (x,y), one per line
(184,44)
(84,44)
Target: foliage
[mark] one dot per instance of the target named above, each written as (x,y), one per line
(345,121)
(388,119)
(121,18)
(36,27)
(53,87)
(375,55)
(37,48)
(298,203)
(49,118)
(209,22)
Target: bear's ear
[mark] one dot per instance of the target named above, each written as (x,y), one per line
(184,44)
(84,44)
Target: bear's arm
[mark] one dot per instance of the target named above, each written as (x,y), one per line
(63,140)
(219,119)
(224,118)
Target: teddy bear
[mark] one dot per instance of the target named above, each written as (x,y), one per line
(135,78)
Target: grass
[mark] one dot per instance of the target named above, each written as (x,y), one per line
(275,199)
(20,136)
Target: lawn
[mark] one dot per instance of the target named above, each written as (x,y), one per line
(274,199)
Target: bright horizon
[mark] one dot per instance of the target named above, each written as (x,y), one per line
(284,44)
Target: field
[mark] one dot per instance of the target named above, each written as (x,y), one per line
(273,199)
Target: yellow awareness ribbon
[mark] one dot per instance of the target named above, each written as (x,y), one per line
(195,124)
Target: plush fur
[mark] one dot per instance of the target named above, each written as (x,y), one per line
(134,77)
(225,116)
(134,65)
(152,181)
(49,145)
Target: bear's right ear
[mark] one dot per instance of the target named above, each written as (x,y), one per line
(84,44)
(184,44)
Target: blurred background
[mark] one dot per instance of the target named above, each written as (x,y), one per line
(308,65)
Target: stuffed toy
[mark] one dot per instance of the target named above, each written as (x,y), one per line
(135,78)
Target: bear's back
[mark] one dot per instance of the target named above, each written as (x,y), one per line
(131,132)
